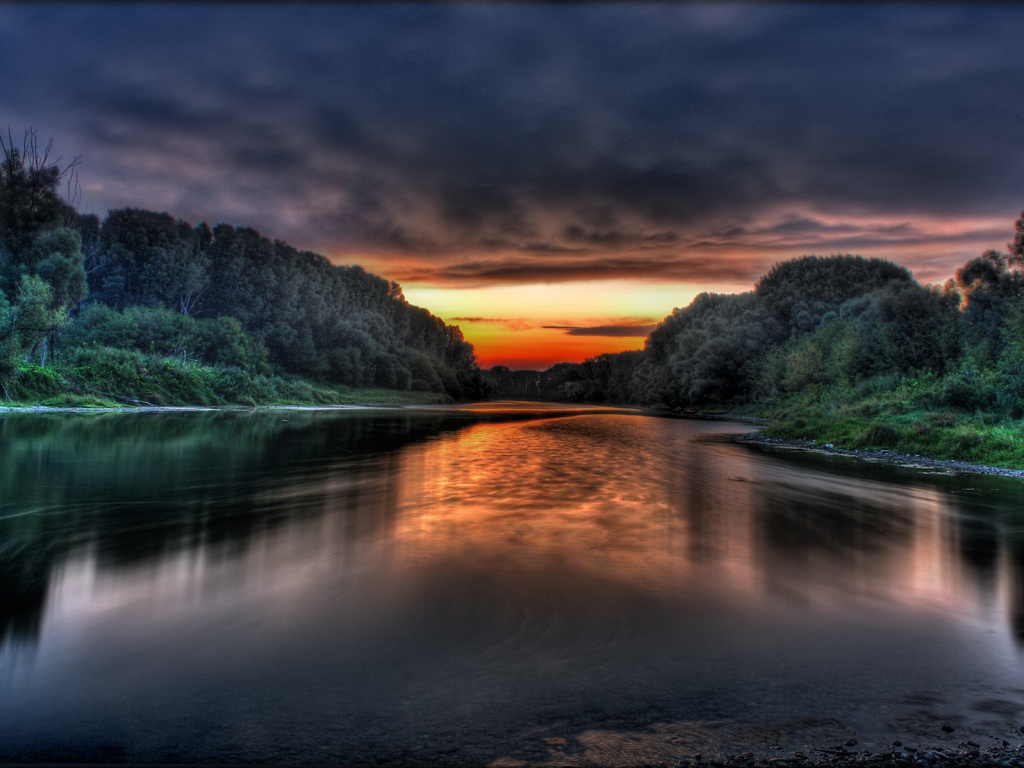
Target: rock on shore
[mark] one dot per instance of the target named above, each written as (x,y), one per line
(885,457)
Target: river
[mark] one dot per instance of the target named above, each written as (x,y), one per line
(500,583)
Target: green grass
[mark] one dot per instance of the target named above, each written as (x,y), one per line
(909,417)
(106,377)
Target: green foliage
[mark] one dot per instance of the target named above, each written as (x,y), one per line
(991,286)
(35,316)
(339,324)
(104,376)
(56,257)
(800,292)
(909,417)
(883,435)
(10,342)
(161,331)
(808,323)
(151,259)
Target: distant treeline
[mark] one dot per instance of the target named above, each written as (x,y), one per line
(814,325)
(146,283)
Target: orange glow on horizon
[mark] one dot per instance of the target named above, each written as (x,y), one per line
(540,348)
(505,324)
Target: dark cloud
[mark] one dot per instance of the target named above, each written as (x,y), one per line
(540,142)
(618,331)
(736,270)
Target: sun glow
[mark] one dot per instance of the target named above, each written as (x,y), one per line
(506,323)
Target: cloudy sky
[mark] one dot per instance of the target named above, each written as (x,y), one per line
(553,178)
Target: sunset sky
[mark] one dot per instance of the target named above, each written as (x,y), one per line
(552,178)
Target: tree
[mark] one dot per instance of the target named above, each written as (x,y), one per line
(41,265)
(57,258)
(29,201)
(1016,248)
(37,315)
(801,292)
(990,285)
(151,259)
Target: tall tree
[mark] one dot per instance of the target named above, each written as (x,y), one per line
(41,266)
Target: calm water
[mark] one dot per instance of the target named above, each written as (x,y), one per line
(487,584)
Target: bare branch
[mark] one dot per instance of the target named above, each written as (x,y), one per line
(93,258)
(7,147)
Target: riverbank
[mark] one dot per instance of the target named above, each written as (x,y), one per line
(155,382)
(914,461)
(940,441)
(6,409)
(910,417)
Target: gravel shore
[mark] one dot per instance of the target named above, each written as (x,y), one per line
(968,754)
(884,457)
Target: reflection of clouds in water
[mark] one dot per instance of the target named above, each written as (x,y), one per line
(587,491)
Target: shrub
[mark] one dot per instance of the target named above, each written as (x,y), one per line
(884,435)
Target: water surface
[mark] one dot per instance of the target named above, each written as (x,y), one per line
(486,584)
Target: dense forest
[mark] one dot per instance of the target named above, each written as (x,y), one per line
(843,348)
(144,307)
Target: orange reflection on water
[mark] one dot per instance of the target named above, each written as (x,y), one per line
(637,501)
(582,493)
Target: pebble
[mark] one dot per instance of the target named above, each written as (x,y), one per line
(897,756)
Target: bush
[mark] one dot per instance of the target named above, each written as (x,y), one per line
(963,390)
(165,333)
(884,435)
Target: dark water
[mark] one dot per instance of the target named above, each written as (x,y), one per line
(481,585)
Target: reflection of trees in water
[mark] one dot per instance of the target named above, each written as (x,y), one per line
(24,582)
(992,556)
(140,487)
(1015,610)
(808,537)
(978,546)
(704,543)
(794,521)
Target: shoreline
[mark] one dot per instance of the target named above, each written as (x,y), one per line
(757,438)
(5,409)
(893,458)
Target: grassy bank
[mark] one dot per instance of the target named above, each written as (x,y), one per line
(113,377)
(909,416)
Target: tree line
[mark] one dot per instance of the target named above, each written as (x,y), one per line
(815,324)
(147,282)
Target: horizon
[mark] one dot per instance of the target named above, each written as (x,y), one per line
(553,179)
